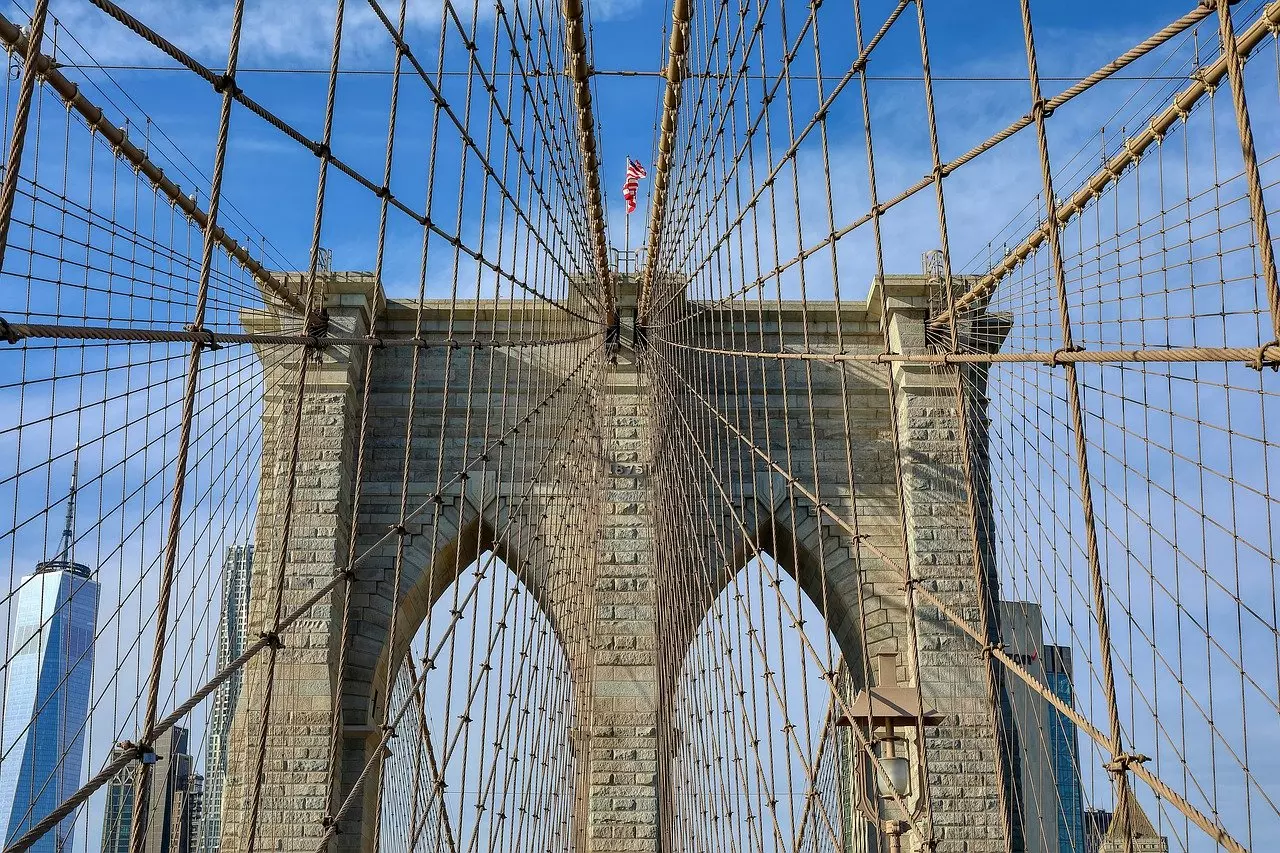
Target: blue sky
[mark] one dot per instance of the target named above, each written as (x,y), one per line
(271,183)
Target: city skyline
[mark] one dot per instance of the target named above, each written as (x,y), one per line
(175,800)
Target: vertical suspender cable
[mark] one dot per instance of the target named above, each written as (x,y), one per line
(142,780)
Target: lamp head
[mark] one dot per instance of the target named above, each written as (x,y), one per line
(893,776)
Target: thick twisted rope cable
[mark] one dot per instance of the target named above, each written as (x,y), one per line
(579,71)
(314,302)
(1214,828)
(676,60)
(13,38)
(14,332)
(1253,179)
(1132,149)
(1115,739)
(21,115)
(336,720)
(1259,356)
(1161,37)
(142,779)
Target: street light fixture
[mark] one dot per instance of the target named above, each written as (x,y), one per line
(879,711)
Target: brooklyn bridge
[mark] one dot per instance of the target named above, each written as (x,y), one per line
(885,466)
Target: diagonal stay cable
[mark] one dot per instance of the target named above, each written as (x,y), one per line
(1131,150)
(1210,825)
(12,36)
(322,151)
(1161,37)
(441,102)
(287,621)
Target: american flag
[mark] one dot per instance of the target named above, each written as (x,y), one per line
(634,173)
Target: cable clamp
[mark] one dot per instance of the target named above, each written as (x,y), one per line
(376,342)
(224,83)
(383,192)
(1122,762)
(990,649)
(209,339)
(1262,361)
(7,332)
(1055,357)
(143,753)
(317,326)
(321,150)
(272,638)
(347,572)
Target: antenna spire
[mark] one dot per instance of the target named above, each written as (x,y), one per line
(62,559)
(69,527)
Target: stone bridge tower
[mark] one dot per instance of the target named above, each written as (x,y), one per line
(618,608)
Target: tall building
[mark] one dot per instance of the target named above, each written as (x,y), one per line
(47,685)
(118,814)
(1049,804)
(174,801)
(1096,823)
(232,634)
(1064,750)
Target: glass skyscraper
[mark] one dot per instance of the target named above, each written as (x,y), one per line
(1048,798)
(232,634)
(46,700)
(175,800)
(1065,751)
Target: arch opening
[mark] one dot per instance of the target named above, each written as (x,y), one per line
(484,706)
(756,761)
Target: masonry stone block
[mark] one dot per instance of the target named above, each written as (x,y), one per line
(630,617)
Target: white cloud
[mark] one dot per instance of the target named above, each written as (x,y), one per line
(279,31)
(613,10)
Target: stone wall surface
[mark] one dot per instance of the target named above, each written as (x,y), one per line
(829,427)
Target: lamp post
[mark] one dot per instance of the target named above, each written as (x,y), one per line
(880,710)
